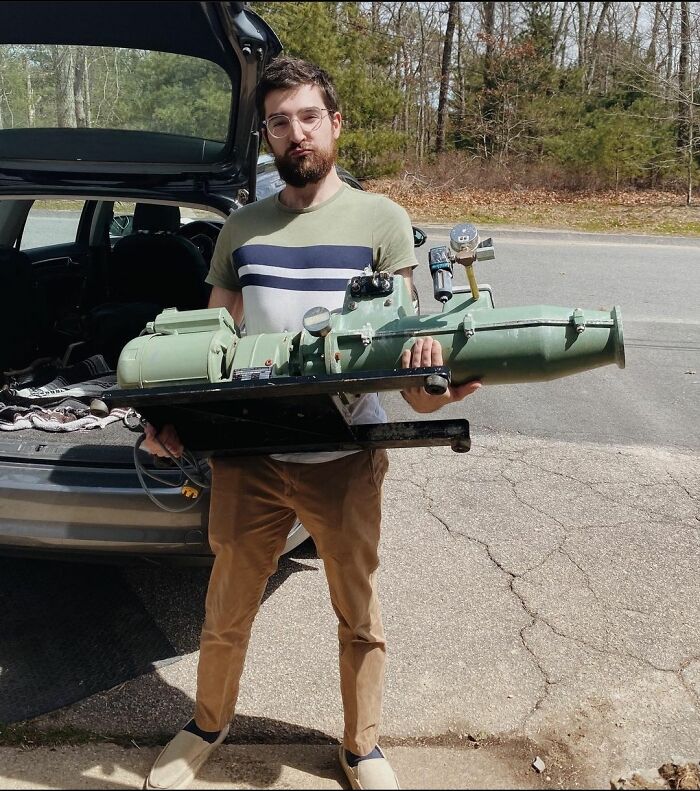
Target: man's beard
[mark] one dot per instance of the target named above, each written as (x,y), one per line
(310,169)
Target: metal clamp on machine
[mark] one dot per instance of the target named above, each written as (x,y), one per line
(241,395)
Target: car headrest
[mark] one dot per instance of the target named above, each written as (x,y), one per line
(152,217)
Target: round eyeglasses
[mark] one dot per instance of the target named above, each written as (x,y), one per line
(309,119)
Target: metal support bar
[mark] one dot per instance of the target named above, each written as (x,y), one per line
(275,387)
(289,414)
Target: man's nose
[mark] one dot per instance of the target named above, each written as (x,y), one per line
(296,133)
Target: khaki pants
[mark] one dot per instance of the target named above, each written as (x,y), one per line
(253,505)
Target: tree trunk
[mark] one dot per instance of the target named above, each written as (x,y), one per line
(684,97)
(31,107)
(584,21)
(507,23)
(669,42)
(409,87)
(65,86)
(461,83)
(80,78)
(86,91)
(651,52)
(445,77)
(593,46)
(559,42)
(691,146)
(490,108)
(635,24)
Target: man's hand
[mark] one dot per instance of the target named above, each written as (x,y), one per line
(424,353)
(167,436)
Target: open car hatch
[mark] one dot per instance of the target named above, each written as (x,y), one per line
(112,96)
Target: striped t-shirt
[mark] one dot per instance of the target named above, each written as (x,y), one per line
(286,261)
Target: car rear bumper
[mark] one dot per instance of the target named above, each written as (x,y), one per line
(58,508)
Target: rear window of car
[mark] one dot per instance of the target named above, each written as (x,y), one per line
(74,87)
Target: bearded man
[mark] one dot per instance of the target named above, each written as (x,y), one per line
(274,260)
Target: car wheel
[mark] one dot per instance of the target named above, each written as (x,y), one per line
(297,535)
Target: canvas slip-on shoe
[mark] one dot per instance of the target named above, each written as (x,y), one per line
(180,760)
(372,773)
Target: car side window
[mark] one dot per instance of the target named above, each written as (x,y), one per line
(123,217)
(47,225)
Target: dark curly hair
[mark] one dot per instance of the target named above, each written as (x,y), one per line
(284,73)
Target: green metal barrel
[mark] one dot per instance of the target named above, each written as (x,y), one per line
(499,346)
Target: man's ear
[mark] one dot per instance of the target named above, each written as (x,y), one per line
(265,139)
(337,122)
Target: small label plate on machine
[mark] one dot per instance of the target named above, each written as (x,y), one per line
(251,374)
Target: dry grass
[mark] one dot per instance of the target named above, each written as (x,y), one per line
(643,211)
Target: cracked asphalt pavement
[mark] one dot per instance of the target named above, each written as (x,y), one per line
(540,598)
(537,595)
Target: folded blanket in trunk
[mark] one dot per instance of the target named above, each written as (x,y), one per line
(62,404)
(55,419)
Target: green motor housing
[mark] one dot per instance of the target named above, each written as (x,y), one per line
(179,348)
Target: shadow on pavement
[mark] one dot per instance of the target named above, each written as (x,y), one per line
(68,631)
(175,596)
(175,600)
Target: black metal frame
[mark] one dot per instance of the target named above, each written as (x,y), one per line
(288,414)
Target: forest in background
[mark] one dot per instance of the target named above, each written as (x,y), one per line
(580,95)
(565,95)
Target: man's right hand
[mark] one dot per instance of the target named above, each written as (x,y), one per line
(167,436)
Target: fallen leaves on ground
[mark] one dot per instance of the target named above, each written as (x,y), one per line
(646,210)
(669,775)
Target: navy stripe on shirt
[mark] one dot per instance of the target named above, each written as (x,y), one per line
(320,256)
(295,283)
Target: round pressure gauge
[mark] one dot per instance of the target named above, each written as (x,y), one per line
(317,322)
(464,238)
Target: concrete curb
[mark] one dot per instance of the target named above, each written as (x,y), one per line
(108,766)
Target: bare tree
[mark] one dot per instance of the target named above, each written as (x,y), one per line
(686,105)
(64,85)
(31,107)
(669,42)
(592,47)
(81,89)
(445,76)
(561,31)
(651,52)
(682,130)
(489,107)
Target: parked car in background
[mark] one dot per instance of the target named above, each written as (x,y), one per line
(107,217)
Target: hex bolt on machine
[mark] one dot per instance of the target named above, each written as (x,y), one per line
(228,393)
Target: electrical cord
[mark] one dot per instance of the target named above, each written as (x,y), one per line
(191,470)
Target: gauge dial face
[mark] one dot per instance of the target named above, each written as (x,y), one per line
(317,321)
(464,237)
